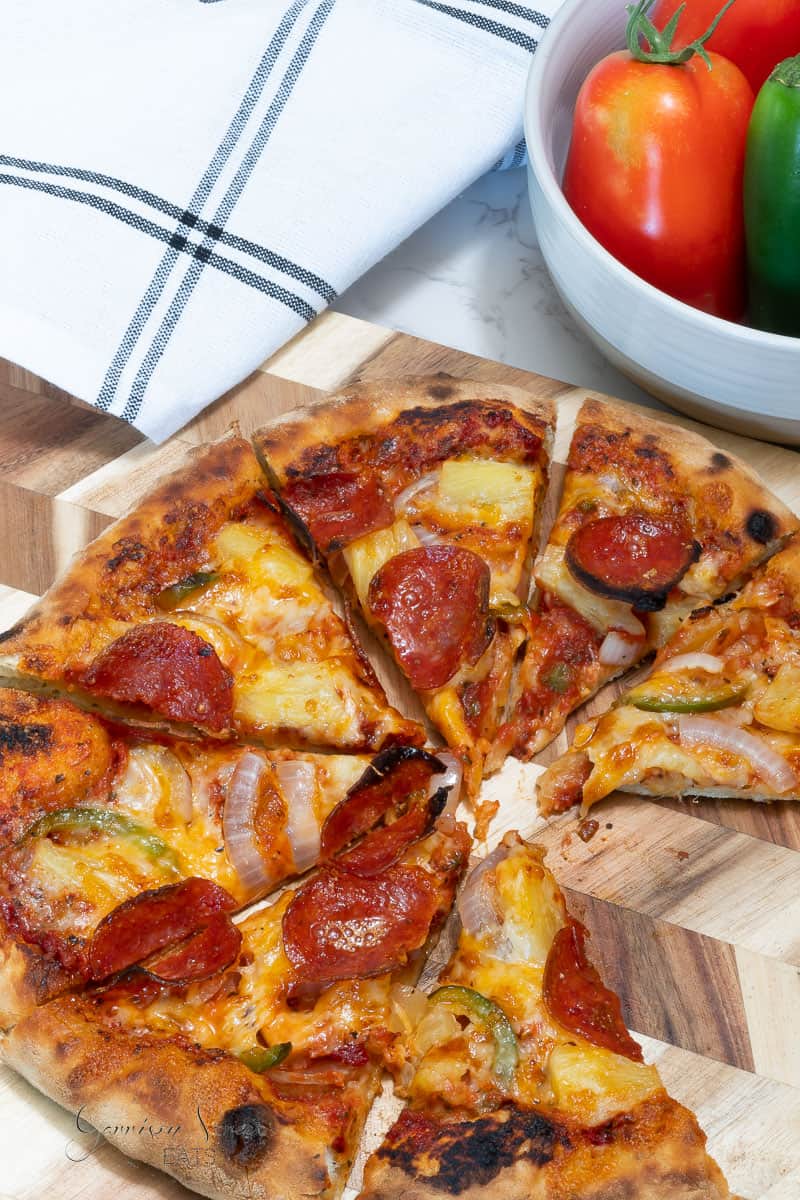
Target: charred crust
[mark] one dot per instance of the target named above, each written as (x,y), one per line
(719,462)
(12,632)
(24,739)
(245,1134)
(762,526)
(128,550)
(472,1153)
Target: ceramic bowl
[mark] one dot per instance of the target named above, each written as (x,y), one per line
(717,371)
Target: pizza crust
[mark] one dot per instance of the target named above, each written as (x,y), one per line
(656,1152)
(366,408)
(233,1138)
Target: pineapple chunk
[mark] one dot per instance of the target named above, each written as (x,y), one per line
(317,699)
(592,1083)
(280,569)
(778,707)
(236,541)
(533,907)
(366,555)
(506,489)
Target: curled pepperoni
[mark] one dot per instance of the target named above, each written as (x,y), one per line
(168,668)
(389,783)
(384,846)
(339,506)
(203,954)
(577,998)
(633,557)
(339,926)
(434,604)
(153,921)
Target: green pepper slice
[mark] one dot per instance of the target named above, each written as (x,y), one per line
(172,597)
(512,614)
(481,1009)
(261,1058)
(116,824)
(558,678)
(772,202)
(649,697)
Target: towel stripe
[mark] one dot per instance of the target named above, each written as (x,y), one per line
(516,36)
(212,172)
(517,10)
(235,188)
(296,303)
(272,259)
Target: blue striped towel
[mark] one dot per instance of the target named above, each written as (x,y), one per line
(186,183)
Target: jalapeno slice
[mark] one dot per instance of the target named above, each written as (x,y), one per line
(482,1010)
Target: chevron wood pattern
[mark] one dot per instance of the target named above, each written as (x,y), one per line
(694,909)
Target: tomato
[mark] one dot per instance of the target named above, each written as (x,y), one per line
(655,168)
(755,34)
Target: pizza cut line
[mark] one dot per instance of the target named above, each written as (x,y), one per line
(189,728)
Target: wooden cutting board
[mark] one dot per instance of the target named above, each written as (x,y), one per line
(694,909)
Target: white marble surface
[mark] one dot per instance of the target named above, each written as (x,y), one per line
(474,278)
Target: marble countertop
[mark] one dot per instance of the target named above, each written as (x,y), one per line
(473,278)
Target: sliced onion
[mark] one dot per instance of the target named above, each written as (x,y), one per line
(151,769)
(451,779)
(427,537)
(610,482)
(228,644)
(413,489)
(298,781)
(238,823)
(478,915)
(617,650)
(722,735)
(693,662)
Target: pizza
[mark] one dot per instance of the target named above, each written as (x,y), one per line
(719,715)
(268,1056)
(423,496)
(653,522)
(199,612)
(225,856)
(93,815)
(521,1079)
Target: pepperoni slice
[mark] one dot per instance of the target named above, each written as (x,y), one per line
(203,954)
(434,604)
(633,557)
(339,506)
(389,782)
(577,998)
(168,668)
(152,921)
(383,847)
(339,926)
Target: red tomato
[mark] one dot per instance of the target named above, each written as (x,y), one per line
(655,169)
(755,34)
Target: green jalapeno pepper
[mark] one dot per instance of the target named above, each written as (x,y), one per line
(172,597)
(486,1012)
(67,820)
(261,1058)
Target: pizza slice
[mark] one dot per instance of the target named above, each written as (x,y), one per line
(263,1063)
(423,495)
(719,715)
(199,611)
(522,1080)
(93,816)
(653,522)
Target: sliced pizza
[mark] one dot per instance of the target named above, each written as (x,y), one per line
(423,495)
(92,816)
(266,1056)
(653,522)
(719,715)
(199,611)
(522,1080)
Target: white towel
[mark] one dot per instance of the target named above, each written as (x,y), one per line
(185,183)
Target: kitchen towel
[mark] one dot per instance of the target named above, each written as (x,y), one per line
(185,183)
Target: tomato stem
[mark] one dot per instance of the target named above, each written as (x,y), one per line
(659,41)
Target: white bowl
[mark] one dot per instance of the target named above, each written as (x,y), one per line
(732,376)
